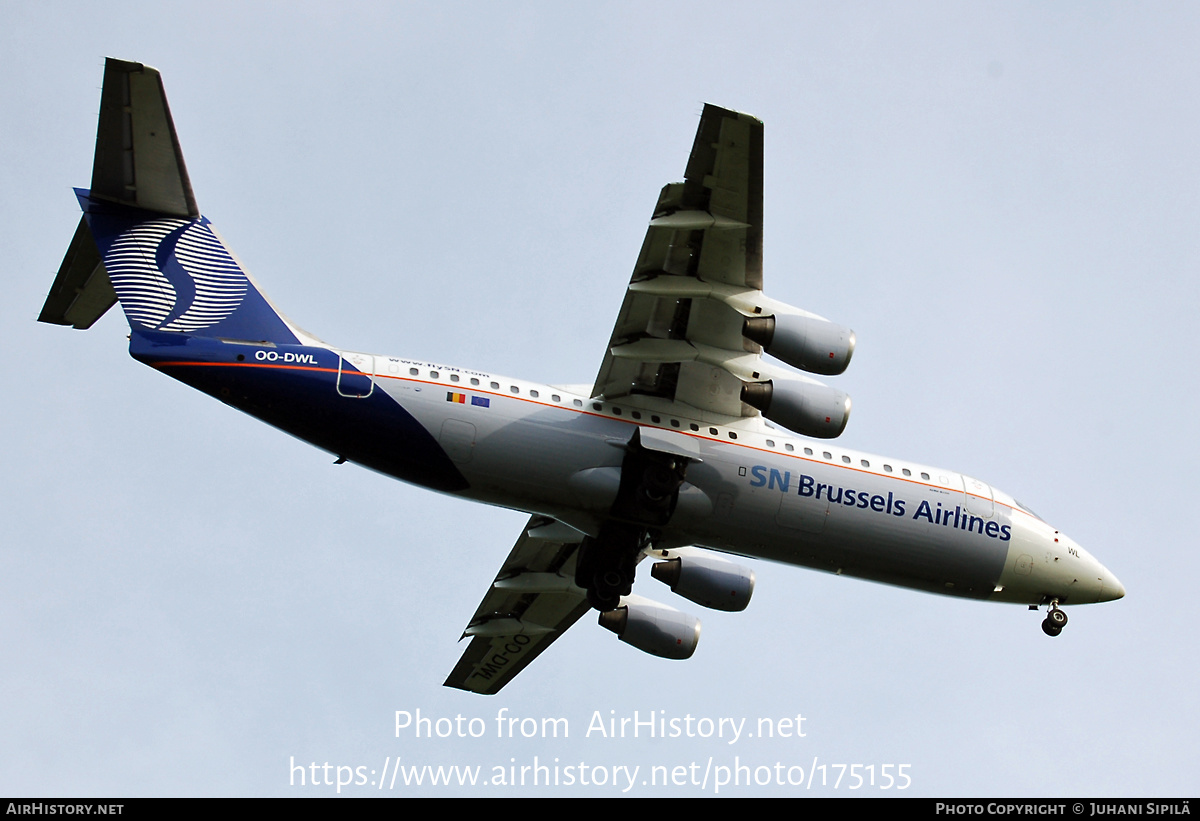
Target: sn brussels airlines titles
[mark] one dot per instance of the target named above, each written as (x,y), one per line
(891,504)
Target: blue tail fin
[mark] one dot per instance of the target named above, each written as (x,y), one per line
(176,274)
(142,239)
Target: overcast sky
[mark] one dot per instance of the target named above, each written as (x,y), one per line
(1001,199)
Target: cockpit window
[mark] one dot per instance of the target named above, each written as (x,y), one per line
(1030,512)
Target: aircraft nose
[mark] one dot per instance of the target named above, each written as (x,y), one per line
(1111,588)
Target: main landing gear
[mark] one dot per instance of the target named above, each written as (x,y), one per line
(1055,620)
(607,564)
(645,500)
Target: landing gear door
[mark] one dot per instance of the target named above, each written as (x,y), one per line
(669,442)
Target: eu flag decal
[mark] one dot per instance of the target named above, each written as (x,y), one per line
(461,399)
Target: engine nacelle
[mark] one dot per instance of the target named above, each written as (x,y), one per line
(808,343)
(808,408)
(707,580)
(654,628)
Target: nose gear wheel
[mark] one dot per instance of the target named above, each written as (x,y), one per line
(1055,620)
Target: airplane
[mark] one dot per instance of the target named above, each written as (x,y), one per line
(702,436)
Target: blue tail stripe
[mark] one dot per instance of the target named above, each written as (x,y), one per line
(175,274)
(304,400)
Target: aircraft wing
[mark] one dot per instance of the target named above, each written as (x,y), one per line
(678,336)
(530,604)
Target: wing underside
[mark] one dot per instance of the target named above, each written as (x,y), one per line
(678,340)
(678,337)
(530,604)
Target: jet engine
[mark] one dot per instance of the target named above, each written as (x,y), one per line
(806,342)
(653,628)
(804,406)
(709,581)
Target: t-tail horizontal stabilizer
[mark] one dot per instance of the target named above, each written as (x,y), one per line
(142,240)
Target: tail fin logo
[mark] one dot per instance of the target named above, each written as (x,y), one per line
(175,275)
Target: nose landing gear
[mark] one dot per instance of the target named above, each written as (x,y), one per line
(1055,620)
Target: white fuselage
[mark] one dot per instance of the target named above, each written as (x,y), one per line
(753,491)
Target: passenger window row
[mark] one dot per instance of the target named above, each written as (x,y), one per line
(657,420)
